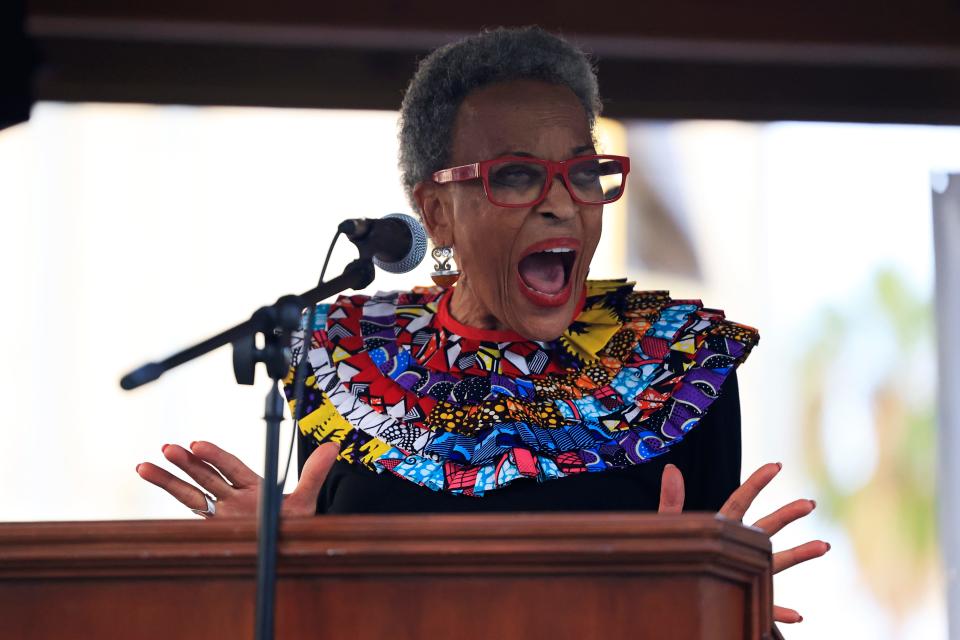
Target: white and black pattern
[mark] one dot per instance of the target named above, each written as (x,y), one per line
(538,361)
(346,372)
(518,361)
(361,415)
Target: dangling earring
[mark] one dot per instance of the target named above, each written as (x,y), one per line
(443,275)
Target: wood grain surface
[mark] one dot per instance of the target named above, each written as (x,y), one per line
(429,576)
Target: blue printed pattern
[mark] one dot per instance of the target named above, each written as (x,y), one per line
(467,417)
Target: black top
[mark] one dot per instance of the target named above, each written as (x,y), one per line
(708,457)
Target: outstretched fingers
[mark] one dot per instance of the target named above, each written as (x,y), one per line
(187,494)
(783,516)
(740,500)
(785,615)
(239,474)
(205,475)
(792,557)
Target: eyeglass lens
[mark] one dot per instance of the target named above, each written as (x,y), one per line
(592,180)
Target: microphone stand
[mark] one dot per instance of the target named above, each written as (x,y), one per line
(276,323)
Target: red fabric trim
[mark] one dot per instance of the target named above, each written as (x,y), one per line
(445,320)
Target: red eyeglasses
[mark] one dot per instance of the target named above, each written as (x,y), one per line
(518,181)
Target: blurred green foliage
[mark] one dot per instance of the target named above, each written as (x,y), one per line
(891,516)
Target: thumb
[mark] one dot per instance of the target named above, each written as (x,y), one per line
(671,490)
(315,470)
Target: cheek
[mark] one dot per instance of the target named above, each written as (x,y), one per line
(484,237)
(592,228)
(594,220)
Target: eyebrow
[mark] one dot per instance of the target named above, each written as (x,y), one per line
(526,154)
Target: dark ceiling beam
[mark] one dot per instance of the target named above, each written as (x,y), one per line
(892,22)
(745,62)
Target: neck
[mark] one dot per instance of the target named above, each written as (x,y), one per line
(466,308)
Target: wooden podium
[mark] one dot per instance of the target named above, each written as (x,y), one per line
(503,577)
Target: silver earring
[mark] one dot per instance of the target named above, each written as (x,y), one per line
(443,274)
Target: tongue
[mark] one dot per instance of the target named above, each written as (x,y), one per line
(543,272)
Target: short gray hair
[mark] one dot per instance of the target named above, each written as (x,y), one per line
(446,76)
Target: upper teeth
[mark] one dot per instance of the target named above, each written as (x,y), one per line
(558,250)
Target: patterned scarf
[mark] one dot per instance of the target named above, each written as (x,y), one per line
(404,388)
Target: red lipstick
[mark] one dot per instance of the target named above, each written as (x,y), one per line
(542,271)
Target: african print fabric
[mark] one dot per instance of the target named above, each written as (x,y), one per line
(404,393)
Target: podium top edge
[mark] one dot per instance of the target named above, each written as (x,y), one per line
(398,545)
(393,527)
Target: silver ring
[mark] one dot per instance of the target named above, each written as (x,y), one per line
(211,509)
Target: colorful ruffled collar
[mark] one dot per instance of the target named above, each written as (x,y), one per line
(407,389)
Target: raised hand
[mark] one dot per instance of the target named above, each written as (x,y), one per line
(736,506)
(233,484)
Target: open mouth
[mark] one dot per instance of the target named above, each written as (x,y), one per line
(545,268)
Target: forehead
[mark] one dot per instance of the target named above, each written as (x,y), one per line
(544,119)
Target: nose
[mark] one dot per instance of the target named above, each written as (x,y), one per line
(558,204)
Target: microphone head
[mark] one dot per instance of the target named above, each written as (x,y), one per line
(418,246)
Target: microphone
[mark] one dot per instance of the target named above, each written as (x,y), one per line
(396,241)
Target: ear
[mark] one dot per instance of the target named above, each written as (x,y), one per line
(436,212)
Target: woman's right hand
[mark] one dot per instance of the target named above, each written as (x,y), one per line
(235,486)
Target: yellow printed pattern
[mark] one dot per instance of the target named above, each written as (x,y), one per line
(323,423)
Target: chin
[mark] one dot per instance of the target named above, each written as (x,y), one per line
(546,322)
(543,331)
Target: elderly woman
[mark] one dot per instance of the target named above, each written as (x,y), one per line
(524,386)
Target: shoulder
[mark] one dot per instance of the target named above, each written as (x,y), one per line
(400,298)
(618,320)
(352,308)
(351,320)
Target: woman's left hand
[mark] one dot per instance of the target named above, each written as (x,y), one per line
(671,501)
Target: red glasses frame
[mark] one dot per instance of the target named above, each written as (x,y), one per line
(481,170)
